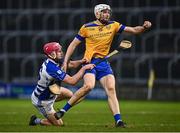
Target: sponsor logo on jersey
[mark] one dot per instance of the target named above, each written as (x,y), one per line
(59,72)
(108,27)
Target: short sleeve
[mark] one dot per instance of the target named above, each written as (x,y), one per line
(56,72)
(119,27)
(82,33)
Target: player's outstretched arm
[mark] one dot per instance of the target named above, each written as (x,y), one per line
(69,52)
(138,29)
(74,79)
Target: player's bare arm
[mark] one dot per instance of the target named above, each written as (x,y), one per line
(97,48)
(138,29)
(69,52)
(76,63)
(74,79)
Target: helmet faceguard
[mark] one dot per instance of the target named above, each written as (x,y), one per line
(98,11)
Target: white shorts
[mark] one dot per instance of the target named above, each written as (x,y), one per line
(44,107)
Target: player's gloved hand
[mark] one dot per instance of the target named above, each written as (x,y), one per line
(147,24)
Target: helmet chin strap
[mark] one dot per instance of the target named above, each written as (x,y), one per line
(53,57)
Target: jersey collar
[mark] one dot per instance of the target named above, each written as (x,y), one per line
(100,24)
(48,59)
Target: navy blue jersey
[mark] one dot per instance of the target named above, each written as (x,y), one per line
(49,73)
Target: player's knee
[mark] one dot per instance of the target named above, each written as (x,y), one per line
(57,122)
(88,87)
(61,122)
(70,94)
(111,90)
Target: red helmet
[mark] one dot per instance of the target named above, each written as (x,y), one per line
(51,47)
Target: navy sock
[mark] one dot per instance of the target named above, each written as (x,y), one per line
(67,107)
(117,117)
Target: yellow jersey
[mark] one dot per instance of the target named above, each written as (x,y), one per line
(98,38)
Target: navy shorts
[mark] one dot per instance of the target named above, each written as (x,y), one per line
(100,70)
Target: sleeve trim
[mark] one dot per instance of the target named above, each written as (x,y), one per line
(121,28)
(80,37)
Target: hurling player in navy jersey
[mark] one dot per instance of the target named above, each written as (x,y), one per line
(50,72)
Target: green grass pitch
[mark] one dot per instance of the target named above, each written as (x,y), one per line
(94,116)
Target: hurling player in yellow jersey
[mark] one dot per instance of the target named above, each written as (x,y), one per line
(98,36)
